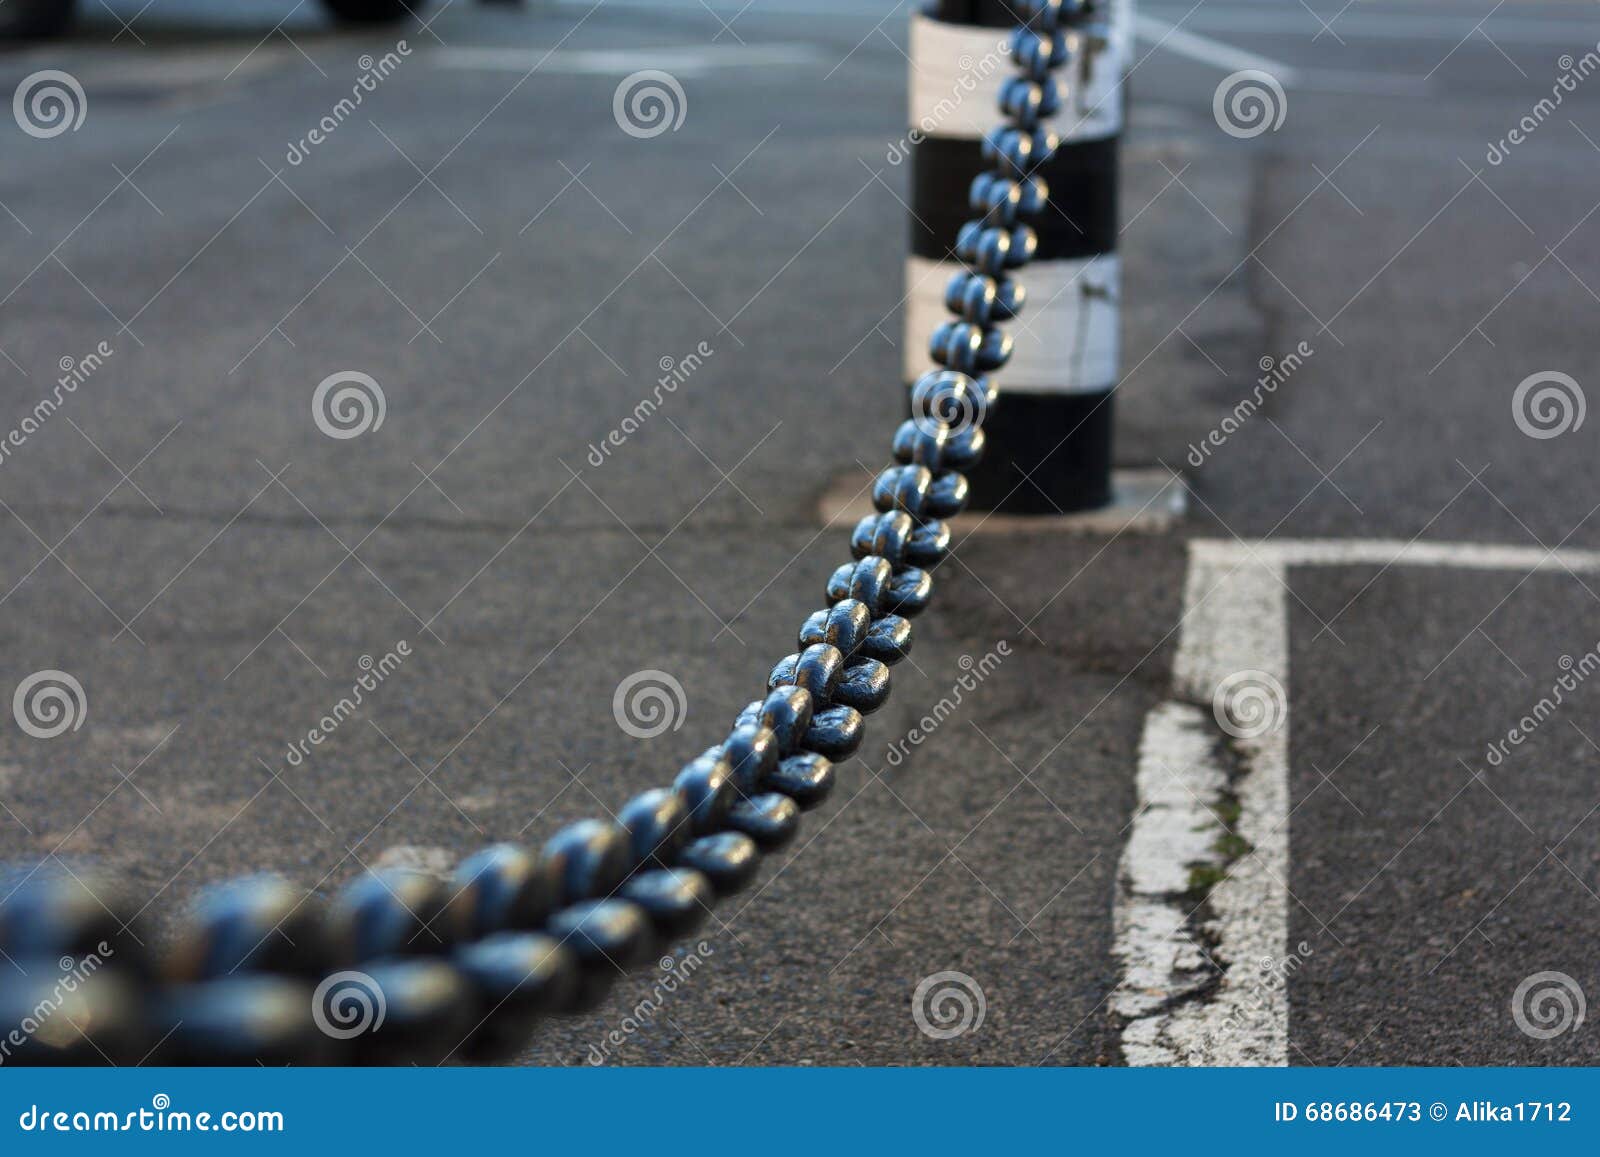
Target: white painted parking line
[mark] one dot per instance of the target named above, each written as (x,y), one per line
(1180,787)
(1277,20)
(1271,18)
(866,9)
(1233,1008)
(680,62)
(1386,552)
(1206,50)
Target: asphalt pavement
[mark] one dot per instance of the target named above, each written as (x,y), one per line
(483,240)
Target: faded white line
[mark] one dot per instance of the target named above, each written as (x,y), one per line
(862,8)
(1360,83)
(681,62)
(1385,552)
(1236,618)
(1391,26)
(1179,785)
(1270,19)
(1209,51)
(1206,50)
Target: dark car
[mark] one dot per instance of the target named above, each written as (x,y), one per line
(32,18)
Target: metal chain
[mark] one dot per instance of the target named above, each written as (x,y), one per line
(403,967)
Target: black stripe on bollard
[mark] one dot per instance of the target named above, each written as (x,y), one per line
(1048,454)
(1049,435)
(984,13)
(1080,221)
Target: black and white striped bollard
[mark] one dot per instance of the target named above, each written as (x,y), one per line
(1050,434)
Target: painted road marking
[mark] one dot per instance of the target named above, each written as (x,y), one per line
(1205,50)
(1269,19)
(1208,51)
(1275,20)
(680,62)
(1180,785)
(1272,17)
(1185,1007)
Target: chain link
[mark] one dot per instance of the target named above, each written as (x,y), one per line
(403,967)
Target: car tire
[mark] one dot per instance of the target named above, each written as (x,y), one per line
(34,19)
(373,11)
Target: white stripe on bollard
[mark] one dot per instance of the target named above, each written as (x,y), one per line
(958,70)
(1066,340)
(956,73)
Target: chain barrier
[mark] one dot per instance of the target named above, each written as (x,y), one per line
(401,967)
